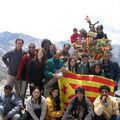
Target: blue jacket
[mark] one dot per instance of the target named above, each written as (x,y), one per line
(11,104)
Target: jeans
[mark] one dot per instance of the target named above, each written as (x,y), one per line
(115,117)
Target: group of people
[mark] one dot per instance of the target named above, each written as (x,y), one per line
(40,69)
(38,107)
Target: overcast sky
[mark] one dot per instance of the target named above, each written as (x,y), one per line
(55,19)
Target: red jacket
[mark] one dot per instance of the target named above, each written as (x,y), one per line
(22,69)
(75,37)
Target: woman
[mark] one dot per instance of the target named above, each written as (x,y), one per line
(35,70)
(54,111)
(72,64)
(35,106)
(97,70)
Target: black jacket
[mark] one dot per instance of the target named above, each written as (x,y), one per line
(35,72)
(79,110)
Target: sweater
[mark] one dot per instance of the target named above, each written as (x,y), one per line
(30,107)
(111,109)
(12,59)
(35,72)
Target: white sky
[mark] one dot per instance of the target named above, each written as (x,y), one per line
(55,19)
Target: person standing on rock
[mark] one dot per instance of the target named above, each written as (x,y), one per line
(12,59)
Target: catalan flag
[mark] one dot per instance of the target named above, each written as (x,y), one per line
(91,83)
(88,40)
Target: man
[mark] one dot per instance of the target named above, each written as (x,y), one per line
(10,104)
(84,66)
(22,69)
(100,33)
(105,106)
(111,69)
(75,36)
(52,68)
(65,52)
(12,59)
(80,107)
(45,44)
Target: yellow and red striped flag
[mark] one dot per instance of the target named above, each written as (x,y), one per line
(88,40)
(91,83)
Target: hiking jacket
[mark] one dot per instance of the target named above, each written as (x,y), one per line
(11,104)
(52,113)
(79,110)
(111,109)
(51,67)
(12,59)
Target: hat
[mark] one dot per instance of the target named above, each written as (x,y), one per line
(8,87)
(79,89)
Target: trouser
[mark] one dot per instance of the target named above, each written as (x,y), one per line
(11,80)
(49,85)
(27,116)
(15,117)
(114,117)
(101,117)
(23,89)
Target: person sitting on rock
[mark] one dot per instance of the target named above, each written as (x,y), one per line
(10,104)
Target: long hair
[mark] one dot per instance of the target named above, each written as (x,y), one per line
(39,98)
(94,67)
(43,60)
(57,99)
(69,66)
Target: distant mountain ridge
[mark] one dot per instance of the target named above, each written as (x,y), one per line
(7,42)
(7,39)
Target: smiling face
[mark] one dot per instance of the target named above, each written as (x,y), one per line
(31,48)
(40,54)
(55,93)
(58,54)
(97,68)
(66,48)
(72,62)
(19,44)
